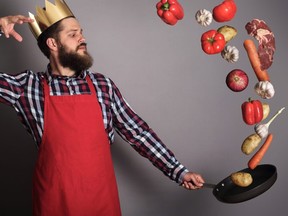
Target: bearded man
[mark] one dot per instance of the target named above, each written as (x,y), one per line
(72,113)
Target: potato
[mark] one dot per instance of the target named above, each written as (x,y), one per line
(242,179)
(250,143)
(266,110)
(228,32)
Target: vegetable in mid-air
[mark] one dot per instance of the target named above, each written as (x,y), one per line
(257,157)
(250,143)
(263,129)
(237,80)
(204,17)
(252,111)
(266,110)
(225,11)
(265,89)
(170,11)
(230,54)
(212,42)
(229,32)
(262,75)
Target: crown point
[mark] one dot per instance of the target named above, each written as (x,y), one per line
(49,15)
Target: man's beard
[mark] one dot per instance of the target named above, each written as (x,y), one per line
(75,61)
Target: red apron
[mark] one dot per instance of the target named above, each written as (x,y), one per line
(74,173)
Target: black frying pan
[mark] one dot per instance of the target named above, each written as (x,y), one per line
(264,176)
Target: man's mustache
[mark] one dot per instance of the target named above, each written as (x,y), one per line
(81,45)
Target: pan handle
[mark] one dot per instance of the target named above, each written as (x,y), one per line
(209,185)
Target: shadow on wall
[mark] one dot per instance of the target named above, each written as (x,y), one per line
(17,148)
(17,158)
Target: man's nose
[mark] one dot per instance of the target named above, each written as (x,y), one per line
(82,39)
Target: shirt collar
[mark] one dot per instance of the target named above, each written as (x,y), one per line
(50,76)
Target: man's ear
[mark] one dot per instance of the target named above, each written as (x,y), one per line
(52,44)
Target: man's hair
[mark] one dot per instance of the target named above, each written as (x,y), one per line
(51,32)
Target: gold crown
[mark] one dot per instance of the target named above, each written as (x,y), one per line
(47,16)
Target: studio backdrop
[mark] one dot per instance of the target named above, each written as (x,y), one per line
(177,88)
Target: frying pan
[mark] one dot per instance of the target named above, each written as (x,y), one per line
(264,176)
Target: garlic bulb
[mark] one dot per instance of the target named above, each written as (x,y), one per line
(204,17)
(230,54)
(264,89)
(262,129)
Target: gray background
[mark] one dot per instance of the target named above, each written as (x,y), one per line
(178,89)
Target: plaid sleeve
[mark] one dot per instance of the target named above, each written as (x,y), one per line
(11,87)
(143,139)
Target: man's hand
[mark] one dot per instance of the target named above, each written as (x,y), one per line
(192,181)
(7,25)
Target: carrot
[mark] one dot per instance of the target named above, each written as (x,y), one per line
(257,157)
(249,45)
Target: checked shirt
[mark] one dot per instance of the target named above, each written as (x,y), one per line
(24,92)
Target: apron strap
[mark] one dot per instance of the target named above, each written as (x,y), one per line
(91,85)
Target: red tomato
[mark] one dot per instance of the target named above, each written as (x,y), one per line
(212,42)
(225,11)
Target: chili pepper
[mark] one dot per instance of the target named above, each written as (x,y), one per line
(170,11)
(212,42)
(252,111)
